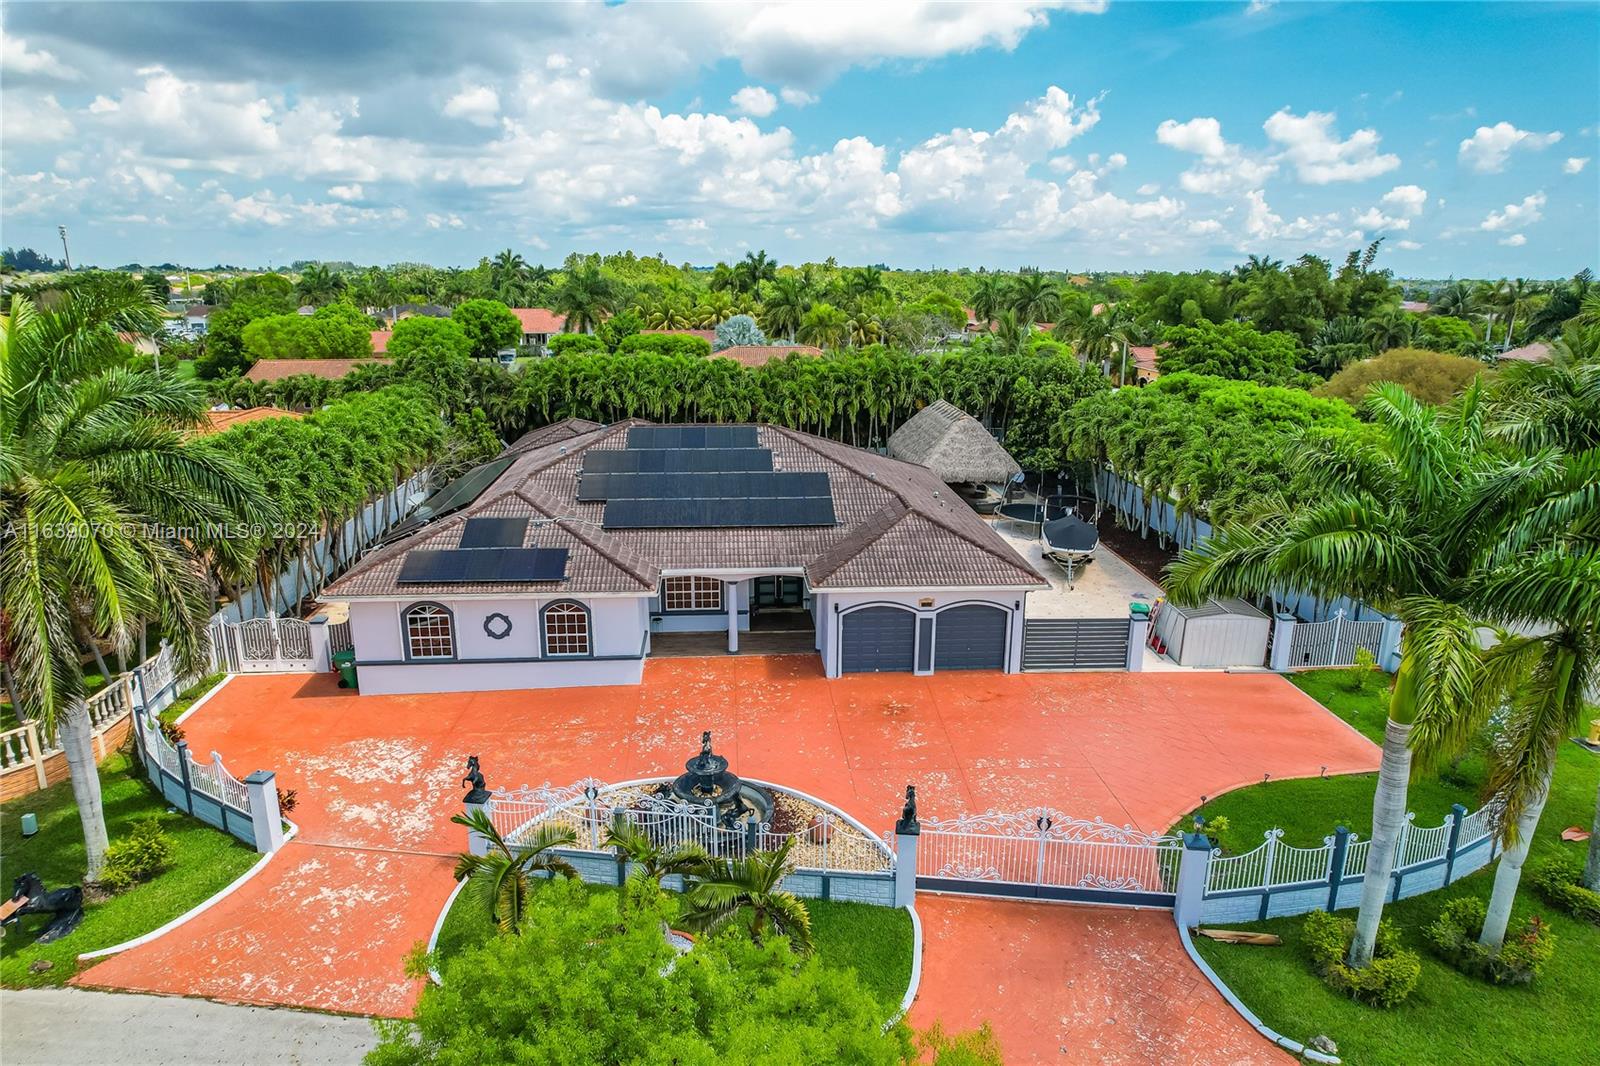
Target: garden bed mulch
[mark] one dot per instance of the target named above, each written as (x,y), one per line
(1144,554)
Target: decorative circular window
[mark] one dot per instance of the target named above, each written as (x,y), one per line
(498,626)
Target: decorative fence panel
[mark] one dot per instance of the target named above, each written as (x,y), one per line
(339,637)
(1043,854)
(1075,644)
(207,790)
(1278,879)
(1334,642)
(262,645)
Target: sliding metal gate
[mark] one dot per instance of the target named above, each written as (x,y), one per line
(1075,644)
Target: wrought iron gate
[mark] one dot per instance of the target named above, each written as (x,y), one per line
(1043,854)
(262,645)
(1334,642)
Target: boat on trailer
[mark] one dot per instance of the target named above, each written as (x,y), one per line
(1069,542)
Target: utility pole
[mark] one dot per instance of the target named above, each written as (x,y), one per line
(66,254)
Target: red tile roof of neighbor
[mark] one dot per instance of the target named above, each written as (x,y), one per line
(899,526)
(1143,356)
(332,369)
(1537,352)
(380,340)
(762,354)
(539,320)
(219,421)
(1415,306)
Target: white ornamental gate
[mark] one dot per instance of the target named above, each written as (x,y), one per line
(262,645)
(1334,642)
(1043,854)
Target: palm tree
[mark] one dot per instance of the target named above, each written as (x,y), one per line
(1035,298)
(503,875)
(786,304)
(865,283)
(753,269)
(1393,527)
(824,326)
(318,285)
(585,297)
(1458,299)
(90,447)
(1393,328)
(1011,332)
(750,891)
(652,861)
(989,298)
(1105,335)
(1555,404)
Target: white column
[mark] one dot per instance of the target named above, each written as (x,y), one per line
(730,598)
(266,820)
(1282,640)
(1191,888)
(1138,631)
(321,650)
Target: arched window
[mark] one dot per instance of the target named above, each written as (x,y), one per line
(430,632)
(566,629)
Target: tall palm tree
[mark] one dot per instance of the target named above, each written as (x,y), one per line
(1035,298)
(824,326)
(653,862)
(1393,328)
(1393,527)
(318,285)
(96,471)
(753,269)
(865,283)
(503,876)
(1011,332)
(585,297)
(750,891)
(786,304)
(1458,299)
(989,298)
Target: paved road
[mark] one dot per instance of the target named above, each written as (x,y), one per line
(72,1027)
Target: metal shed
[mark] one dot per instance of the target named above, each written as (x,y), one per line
(1218,633)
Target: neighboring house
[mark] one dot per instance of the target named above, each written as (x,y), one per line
(196,318)
(140,343)
(953,445)
(562,565)
(332,369)
(395,313)
(1141,364)
(222,420)
(539,324)
(1416,307)
(1537,352)
(761,354)
(380,340)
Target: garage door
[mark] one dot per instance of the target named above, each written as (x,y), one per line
(970,638)
(878,639)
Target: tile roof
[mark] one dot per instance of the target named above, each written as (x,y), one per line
(899,527)
(565,429)
(1537,352)
(332,369)
(220,421)
(380,340)
(762,354)
(539,320)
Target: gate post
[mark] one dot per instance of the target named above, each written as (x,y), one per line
(1338,631)
(321,646)
(1194,863)
(1138,632)
(907,831)
(1341,848)
(266,821)
(1282,642)
(1457,812)
(478,799)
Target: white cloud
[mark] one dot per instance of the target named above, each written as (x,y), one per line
(1395,210)
(797,97)
(1513,216)
(352,191)
(754,100)
(1149,188)
(443,221)
(1262,224)
(1222,167)
(1574,164)
(477,104)
(1199,136)
(17,58)
(35,121)
(1259,7)
(1516,240)
(266,208)
(1487,150)
(1312,145)
(1407,245)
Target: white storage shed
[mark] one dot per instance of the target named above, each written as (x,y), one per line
(1218,633)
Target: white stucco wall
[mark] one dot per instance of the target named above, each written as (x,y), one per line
(828,606)
(698,622)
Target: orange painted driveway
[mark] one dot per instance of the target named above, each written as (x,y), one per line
(328,927)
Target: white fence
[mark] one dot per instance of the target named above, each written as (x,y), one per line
(206,790)
(1278,879)
(1041,853)
(262,645)
(1334,642)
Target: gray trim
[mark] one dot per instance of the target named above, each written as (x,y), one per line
(588,623)
(405,634)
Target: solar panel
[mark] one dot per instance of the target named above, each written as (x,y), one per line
(763,484)
(457,566)
(675,460)
(696,436)
(494,532)
(718,513)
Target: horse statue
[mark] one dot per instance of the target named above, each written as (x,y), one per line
(474,782)
(28,896)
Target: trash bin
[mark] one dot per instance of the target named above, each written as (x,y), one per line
(345,663)
(1138,608)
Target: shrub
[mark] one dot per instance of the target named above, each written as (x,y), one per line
(1384,982)
(1454,938)
(664,344)
(1559,881)
(1432,377)
(740,329)
(1220,832)
(139,856)
(1361,672)
(574,343)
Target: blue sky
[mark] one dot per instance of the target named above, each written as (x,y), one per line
(1081,135)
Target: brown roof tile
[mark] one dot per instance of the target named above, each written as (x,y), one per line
(332,369)
(762,354)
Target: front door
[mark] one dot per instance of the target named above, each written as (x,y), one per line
(779,592)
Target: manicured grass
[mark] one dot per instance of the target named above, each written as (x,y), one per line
(1450,1018)
(205,861)
(188,696)
(873,941)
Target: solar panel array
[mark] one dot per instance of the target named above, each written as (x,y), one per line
(765,484)
(701,477)
(494,532)
(457,566)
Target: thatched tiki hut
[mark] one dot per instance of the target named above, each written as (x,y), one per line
(954,445)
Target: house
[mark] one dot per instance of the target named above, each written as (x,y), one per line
(564,430)
(539,324)
(139,342)
(1416,307)
(396,312)
(332,369)
(220,421)
(1142,368)
(568,563)
(753,355)
(953,445)
(1537,352)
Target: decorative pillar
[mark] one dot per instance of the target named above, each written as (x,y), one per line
(321,649)
(1389,648)
(730,596)
(1193,863)
(1457,812)
(1341,848)
(1138,633)
(183,776)
(907,831)
(266,820)
(478,798)
(1282,638)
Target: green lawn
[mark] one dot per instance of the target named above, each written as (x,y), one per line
(873,941)
(187,698)
(206,861)
(1450,1018)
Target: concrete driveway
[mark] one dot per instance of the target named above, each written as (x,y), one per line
(329,921)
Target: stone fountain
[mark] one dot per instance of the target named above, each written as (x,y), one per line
(707,782)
